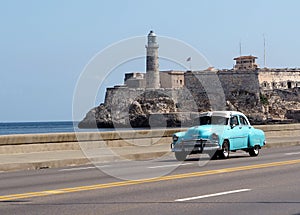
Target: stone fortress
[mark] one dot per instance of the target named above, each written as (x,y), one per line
(173,98)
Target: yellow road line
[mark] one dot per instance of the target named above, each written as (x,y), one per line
(141,181)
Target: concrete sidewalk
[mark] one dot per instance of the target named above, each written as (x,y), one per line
(61,158)
(78,156)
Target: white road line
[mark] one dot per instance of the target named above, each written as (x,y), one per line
(103,166)
(79,168)
(170,165)
(212,195)
(292,153)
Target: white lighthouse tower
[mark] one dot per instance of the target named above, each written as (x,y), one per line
(152,67)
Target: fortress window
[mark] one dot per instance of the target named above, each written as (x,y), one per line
(180,81)
(289,84)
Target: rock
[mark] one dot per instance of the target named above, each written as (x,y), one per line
(98,117)
(153,109)
(294,115)
(281,104)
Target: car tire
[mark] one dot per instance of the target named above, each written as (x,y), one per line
(224,152)
(253,152)
(180,156)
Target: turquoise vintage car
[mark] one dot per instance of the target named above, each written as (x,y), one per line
(217,133)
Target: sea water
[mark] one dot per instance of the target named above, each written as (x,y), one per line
(7,128)
(36,127)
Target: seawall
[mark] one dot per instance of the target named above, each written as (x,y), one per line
(36,151)
(69,141)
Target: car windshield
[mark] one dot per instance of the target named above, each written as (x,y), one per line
(211,120)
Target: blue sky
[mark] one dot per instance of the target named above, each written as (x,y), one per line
(46,44)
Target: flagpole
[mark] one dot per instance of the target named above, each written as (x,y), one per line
(264,51)
(189,59)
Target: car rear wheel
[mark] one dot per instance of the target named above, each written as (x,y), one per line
(224,153)
(253,152)
(180,156)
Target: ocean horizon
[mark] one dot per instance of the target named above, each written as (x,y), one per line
(9,128)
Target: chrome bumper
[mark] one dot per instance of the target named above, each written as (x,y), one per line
(195,146)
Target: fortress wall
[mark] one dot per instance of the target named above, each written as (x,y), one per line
(123,96)
(241,90)
(211,90)
(279,78)
(119,99)
(204,90)
(165,80)
(234,81)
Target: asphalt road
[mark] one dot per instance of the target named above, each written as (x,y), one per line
(267,184)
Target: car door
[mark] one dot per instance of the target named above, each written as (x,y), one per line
(238,133)
(234,132)
(244,132)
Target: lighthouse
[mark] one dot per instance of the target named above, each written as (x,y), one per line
(152,67)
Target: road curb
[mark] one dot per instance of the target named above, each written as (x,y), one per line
(282,144)
(43,164)
(78,161)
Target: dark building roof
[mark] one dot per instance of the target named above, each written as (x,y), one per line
(245,57)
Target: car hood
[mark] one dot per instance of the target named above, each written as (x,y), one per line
(203,131)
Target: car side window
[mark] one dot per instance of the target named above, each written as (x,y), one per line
(243,121)
(234,121)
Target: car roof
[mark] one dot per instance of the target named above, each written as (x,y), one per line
(227,114)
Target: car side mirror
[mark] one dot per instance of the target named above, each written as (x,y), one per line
(232,125)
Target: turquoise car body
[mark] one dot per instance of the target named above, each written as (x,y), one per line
(217,134)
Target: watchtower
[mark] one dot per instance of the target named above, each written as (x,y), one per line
(245,63)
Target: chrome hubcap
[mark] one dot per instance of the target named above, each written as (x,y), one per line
(225,150)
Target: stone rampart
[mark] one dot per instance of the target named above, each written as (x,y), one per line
(272,79)
(248,91)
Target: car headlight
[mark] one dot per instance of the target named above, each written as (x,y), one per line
(215,138)
(175,138)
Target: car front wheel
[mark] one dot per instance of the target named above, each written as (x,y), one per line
(180,156)
(253,152)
